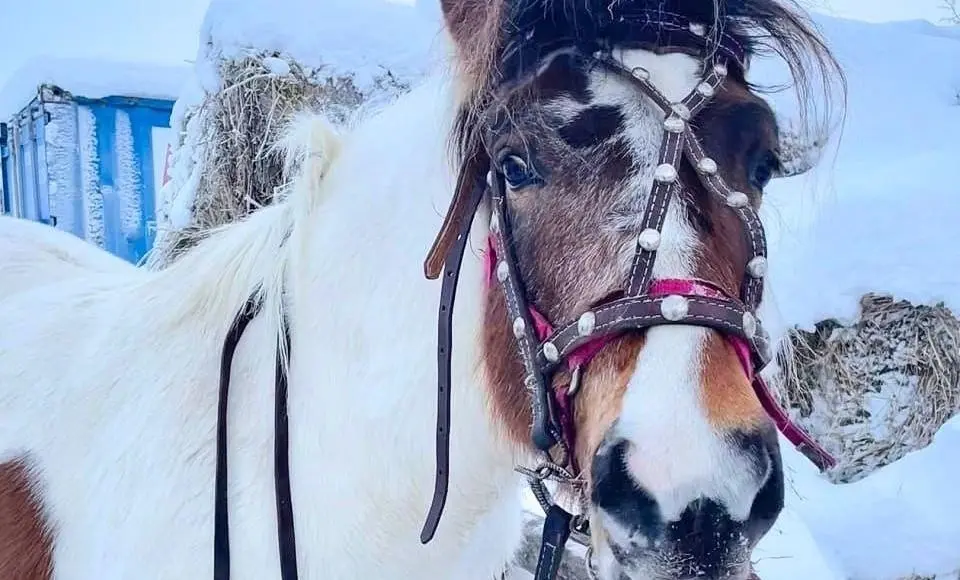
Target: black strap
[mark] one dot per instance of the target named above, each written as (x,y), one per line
(448,294)
(556,531)
(285,532)
(281,470)
(221,526)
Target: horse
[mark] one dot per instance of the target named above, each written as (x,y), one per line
(33,254)
(585,179)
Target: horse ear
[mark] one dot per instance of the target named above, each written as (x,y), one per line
(467,19)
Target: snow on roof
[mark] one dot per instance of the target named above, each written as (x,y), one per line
(91,78)
(349,36)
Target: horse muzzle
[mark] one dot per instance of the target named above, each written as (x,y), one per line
(634,539)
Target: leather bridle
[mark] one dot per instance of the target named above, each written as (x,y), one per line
(543,349)
(644,303)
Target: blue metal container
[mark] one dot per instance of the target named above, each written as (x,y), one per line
(92,167)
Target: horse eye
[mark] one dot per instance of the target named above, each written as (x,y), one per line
(516,172)
(764,169)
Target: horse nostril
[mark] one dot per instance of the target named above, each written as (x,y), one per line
(705,528)
(618,495)
(697,530)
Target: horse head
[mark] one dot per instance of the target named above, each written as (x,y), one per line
(622,155)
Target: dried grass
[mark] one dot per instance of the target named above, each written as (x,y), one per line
(241,170)
(875,390)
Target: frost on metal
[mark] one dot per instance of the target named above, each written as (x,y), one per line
(91,194)
(61,141)
(876,389)
(127,183)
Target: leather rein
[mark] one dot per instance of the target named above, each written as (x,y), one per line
(544,348)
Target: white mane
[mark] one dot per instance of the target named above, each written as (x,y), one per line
(250,258)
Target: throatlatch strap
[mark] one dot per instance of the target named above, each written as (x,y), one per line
(448,293)
(221,525)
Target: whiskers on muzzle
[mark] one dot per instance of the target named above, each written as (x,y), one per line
(647,539)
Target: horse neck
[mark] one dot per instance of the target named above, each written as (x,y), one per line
(363,315)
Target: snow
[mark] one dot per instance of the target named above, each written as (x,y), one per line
(174,207)
(395,36)
(876,213)
(61,140)
(277,66)
(900,520)
(91,78)
(879,10)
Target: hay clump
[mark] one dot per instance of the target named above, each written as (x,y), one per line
(799,151)
(876,389)
(231,137)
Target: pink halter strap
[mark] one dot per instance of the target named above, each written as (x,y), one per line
(693,287)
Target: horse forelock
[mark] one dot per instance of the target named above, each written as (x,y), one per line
(504,42)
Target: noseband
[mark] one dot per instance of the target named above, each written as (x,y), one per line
(645,302)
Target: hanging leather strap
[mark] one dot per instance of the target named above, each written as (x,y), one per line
(286,539)
(221,525)
(461,209)
(448,294)
(281,469)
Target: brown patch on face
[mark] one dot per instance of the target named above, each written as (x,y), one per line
(727,396)
(26,545)
(600,399)
(596,405)
(737,126)
(738,130)
(509,398)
